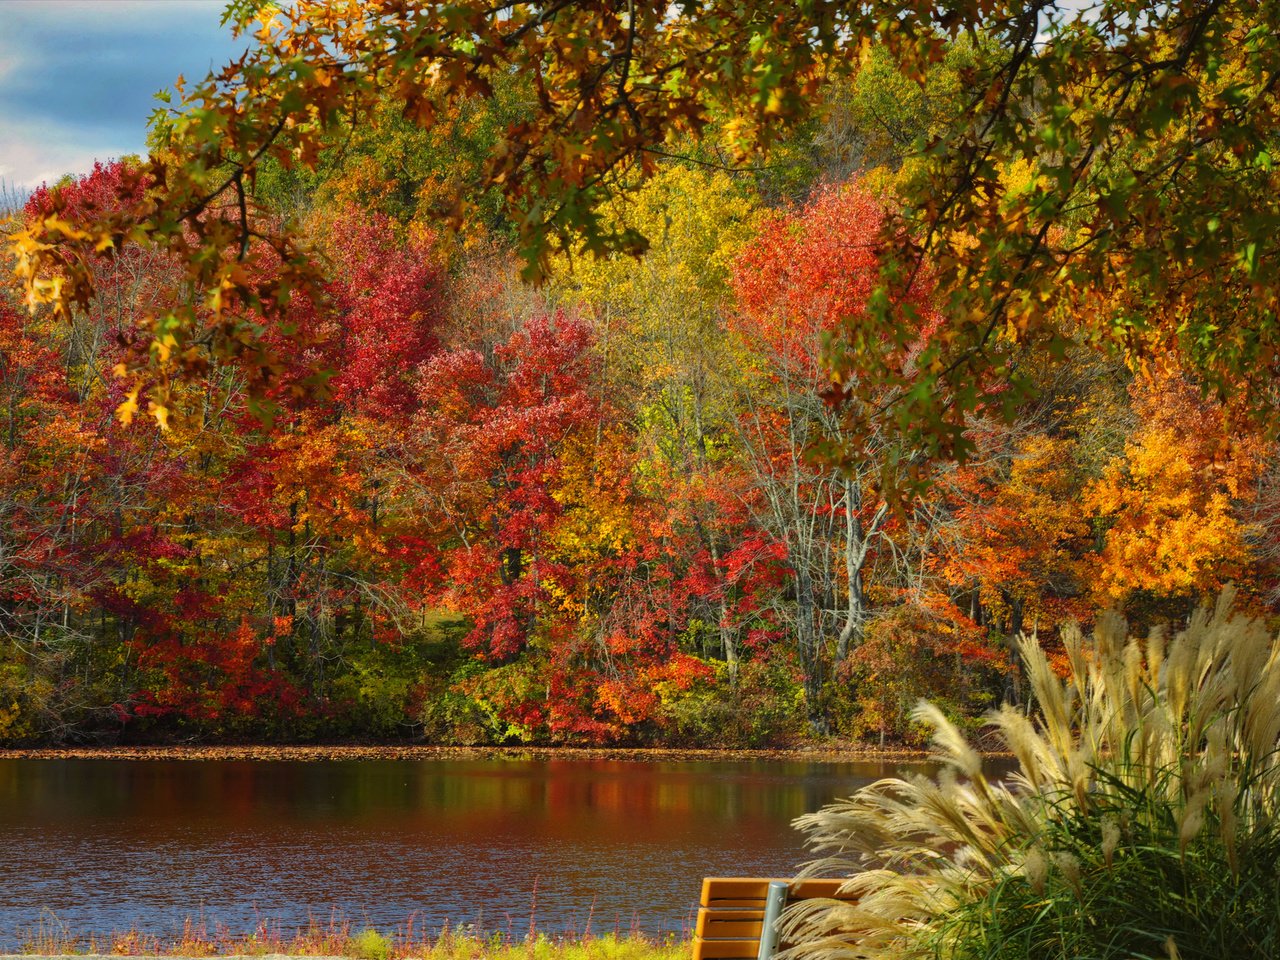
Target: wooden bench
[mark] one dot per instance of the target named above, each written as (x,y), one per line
(733,911)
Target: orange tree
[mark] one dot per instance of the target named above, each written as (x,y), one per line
(1173,509)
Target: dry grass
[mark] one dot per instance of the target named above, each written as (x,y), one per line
(1151,773)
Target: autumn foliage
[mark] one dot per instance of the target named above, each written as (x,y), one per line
(465,510)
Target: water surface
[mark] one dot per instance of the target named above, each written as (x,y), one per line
(105,845)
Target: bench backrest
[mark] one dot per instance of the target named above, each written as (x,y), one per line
(731,913)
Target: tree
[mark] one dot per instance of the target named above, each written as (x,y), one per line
(1087,197)
(662,333)
(1017,535)
(492,429)
(801,277)
(1175,532)
(221,574)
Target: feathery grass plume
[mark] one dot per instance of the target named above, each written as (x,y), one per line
(1141,819)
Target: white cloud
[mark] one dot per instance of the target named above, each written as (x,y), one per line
(108,13)
(9,63)
(30,156)
(77,76)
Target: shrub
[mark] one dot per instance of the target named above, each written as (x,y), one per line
(454,718)
(369,944)
(484,705)
(1140,820)
(912,652)
(763,708)
(22,702)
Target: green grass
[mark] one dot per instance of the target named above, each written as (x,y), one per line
(339,939)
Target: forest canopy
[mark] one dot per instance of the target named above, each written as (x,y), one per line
(866,337)
(1099,173)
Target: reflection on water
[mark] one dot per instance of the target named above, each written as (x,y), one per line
(109,844)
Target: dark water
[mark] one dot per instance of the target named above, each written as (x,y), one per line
(103,845)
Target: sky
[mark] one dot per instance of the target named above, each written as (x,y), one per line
(78,77)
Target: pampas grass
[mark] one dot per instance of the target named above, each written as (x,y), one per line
(1140,820)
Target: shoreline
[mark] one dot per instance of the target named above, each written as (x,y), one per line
(306,753)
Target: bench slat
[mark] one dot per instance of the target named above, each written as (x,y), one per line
(731,915)
(750,892)
(729,924)
(737,949)
(725,949)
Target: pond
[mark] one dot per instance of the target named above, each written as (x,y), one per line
(106,845)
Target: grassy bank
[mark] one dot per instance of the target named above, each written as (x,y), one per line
(342,940)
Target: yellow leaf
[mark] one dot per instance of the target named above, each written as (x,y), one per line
(127,409)
(161,413)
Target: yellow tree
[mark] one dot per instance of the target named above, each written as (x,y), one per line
(1170,505)
(662,335)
